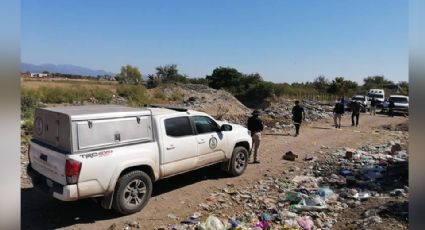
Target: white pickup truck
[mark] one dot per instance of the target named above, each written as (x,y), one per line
(115,153)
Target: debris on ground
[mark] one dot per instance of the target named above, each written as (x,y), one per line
(317,197)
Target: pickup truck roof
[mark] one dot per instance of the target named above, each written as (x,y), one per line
(102,111)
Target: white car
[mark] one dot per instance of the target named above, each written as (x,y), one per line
(378,94)
(116,152)
(363,100)
(401,103)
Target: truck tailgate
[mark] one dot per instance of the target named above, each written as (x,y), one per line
(49,163)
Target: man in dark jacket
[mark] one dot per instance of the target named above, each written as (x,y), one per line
(355,112)
(373,106)
(338,112)
(391,106)
(298,116)
(255,125)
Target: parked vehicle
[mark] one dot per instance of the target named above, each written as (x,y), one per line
(401,103)
(363,100)
(378,94)
(115,153)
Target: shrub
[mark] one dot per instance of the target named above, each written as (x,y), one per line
(159,95)
(30,99)
(63,95)
(176,96)
(103,96)
(135,94)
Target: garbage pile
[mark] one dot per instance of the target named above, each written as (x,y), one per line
(309,198)
(278,117)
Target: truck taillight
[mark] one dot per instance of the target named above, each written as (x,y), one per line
(72,171)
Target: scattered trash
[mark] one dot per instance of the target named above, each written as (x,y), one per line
(172,216)
(305,222)
(310,197)
(213,223)
(290,156)
(308,158)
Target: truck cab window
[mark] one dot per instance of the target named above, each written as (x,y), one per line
(178,127)
(205,124)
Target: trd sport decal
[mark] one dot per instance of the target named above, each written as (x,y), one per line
(97,154)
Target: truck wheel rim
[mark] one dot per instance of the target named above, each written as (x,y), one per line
(134,192)
(240,161)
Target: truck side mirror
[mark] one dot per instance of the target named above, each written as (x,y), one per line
(226,127)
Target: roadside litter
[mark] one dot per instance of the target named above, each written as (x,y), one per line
(311,198)
(289,156)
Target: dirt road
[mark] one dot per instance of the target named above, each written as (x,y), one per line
(180,195)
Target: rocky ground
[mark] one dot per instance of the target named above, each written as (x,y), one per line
(349,178)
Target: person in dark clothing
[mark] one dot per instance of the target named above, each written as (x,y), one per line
(355,112)
(373,106)
(255,125)
(338,111)
(298,116)
(391,109)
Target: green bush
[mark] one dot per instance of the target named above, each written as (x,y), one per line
(74,94)
(59,95)
(103,96)
(29,101)
(159,95)
(175,96)
(135,94)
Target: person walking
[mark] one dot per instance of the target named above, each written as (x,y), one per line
(255,126)
(373,106)
(355,112)
(338,111)
(298,116)
(391,106)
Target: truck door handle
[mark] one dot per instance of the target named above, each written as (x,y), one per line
(171,147)
(201,141)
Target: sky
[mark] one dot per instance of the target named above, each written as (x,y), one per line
(282,40)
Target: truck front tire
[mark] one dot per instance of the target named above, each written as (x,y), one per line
(239,161)
(132,192)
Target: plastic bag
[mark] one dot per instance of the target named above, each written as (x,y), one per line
(213,223)
(305,222)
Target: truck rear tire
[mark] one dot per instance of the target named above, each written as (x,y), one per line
(132,192)
(239,161)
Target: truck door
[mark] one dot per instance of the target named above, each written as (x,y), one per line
(210,140)
(179,149)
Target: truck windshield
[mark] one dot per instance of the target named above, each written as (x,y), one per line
(398,99)
(375,95)
(358,98)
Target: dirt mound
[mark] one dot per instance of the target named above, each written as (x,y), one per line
(218,103)
(397,127)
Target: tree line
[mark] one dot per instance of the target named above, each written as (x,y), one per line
(252,90)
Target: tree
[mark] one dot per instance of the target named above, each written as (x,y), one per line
(377,81)
(225,78)
(129,75)
(200,81)
(153,81)
(257,94)
(167,71)
(321,84)
(341,87)
(170,74)
(404,87)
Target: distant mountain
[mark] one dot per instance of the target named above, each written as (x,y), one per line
(64,69)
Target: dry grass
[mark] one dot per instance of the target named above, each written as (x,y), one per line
(66,83)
